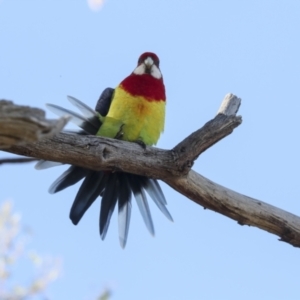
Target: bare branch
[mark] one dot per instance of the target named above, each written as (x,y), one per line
(243,209)
(230,105)
(187,151)
(21,124)
(173,167)
(16,160)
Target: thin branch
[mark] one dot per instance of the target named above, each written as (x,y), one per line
(16,160)
(172,166)
(187,151)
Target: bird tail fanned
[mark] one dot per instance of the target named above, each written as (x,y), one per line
(114,188)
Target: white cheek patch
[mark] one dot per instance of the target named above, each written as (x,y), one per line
(155,72)
(140,70)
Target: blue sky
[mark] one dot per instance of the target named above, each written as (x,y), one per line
(50,49)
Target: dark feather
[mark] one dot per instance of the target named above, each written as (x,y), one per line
(91,115)
(90,123)
(85,109)
(90,189)
(77,119)
(159,190)
(46,164)
(154,191)
(124,208)
(68,178)
(108,203)
(136,185)
(104,101)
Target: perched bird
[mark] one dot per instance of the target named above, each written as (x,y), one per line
(134,111)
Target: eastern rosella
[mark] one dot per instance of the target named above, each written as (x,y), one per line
(134,111)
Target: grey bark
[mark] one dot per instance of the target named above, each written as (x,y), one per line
(23,124)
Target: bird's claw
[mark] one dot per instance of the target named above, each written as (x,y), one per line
(120,133)
(141,143)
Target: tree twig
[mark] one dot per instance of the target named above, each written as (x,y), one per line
(16,160)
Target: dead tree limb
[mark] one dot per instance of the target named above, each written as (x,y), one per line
(23,124)
(172,166)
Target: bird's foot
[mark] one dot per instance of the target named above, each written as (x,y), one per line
(120,133)
(141,143)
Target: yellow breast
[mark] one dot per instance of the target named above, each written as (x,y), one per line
(136,117)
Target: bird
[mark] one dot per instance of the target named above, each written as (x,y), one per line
(134,111)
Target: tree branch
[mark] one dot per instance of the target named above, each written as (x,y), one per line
(243,209)
(16,160)
(173,167)
(22,124)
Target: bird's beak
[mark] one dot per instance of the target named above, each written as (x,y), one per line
(148,63)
